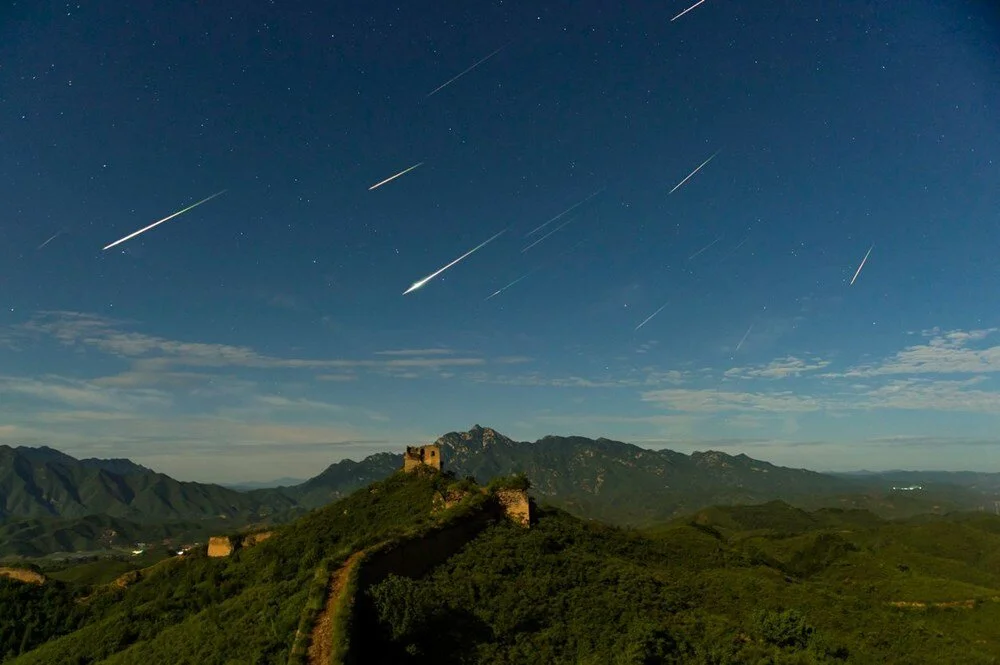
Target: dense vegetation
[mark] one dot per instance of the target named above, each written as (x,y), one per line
(732,584)
(744,585)
(34,613)
(45,483)
(40,537)
(245,607)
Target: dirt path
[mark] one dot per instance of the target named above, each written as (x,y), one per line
(321,644)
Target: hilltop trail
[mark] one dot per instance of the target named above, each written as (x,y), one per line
(321,642)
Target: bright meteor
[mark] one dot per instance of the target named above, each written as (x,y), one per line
(416,285)
(391,178)
(169,217)
(650,317)
(862,265)
(678,185)
(686,10)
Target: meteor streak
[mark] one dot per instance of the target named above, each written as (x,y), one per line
(567,210)
(416,285)
(745,335)
(678,185)
(650,317)
(453,79)
(48,241)
(534,270)
(686,10)
(547,234)
(709,245)
(169,217)
(499,291)
(862,265)
(390,178)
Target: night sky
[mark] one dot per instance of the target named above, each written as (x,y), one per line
(266,333)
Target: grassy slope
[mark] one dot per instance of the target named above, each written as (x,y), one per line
(244,608)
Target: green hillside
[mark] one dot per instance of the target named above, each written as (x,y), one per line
(729,584)
(244,608)
(45,483)
(796,588)
(621,483)
(99,533)
(49,500)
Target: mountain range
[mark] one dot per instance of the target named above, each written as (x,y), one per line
(598,479)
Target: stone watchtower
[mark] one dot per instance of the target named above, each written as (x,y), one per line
(415,456)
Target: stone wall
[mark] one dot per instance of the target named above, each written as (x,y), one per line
(416,456)
(407,558)
(23,575)
(516,505)
(225,546)
(220,546)
(252,539)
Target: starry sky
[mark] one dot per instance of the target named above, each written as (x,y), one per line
(266,333)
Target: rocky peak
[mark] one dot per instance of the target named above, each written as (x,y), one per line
(711,458)
(477,437)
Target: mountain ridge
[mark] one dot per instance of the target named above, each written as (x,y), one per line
(601,478)
(46,483)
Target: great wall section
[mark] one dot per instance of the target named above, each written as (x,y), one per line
(348,612)
(329,631)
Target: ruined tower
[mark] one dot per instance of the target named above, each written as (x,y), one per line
(415,456)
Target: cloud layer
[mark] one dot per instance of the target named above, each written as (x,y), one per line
(182,404)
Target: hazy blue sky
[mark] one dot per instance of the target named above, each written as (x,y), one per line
(265,333)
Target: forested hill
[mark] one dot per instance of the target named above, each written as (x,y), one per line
(625,484)
(745,584)
(602,479)
(45,483)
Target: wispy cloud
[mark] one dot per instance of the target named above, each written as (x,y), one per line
(777,369)
(714,401)
(920,440)
(81,394)
(415,352)
(948,352)
(159,356)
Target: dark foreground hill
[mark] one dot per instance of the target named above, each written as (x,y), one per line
(390,575)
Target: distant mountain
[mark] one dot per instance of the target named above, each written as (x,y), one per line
(342,478)
(593,478)
(45,483)
(596,478)
(118,465)
(264,484)
(988,483)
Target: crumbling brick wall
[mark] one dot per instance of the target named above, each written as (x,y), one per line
(220,546)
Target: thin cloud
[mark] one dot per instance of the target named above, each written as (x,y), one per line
(945,353)
(82,394)
(714,401)
(158,354)
(777,369)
